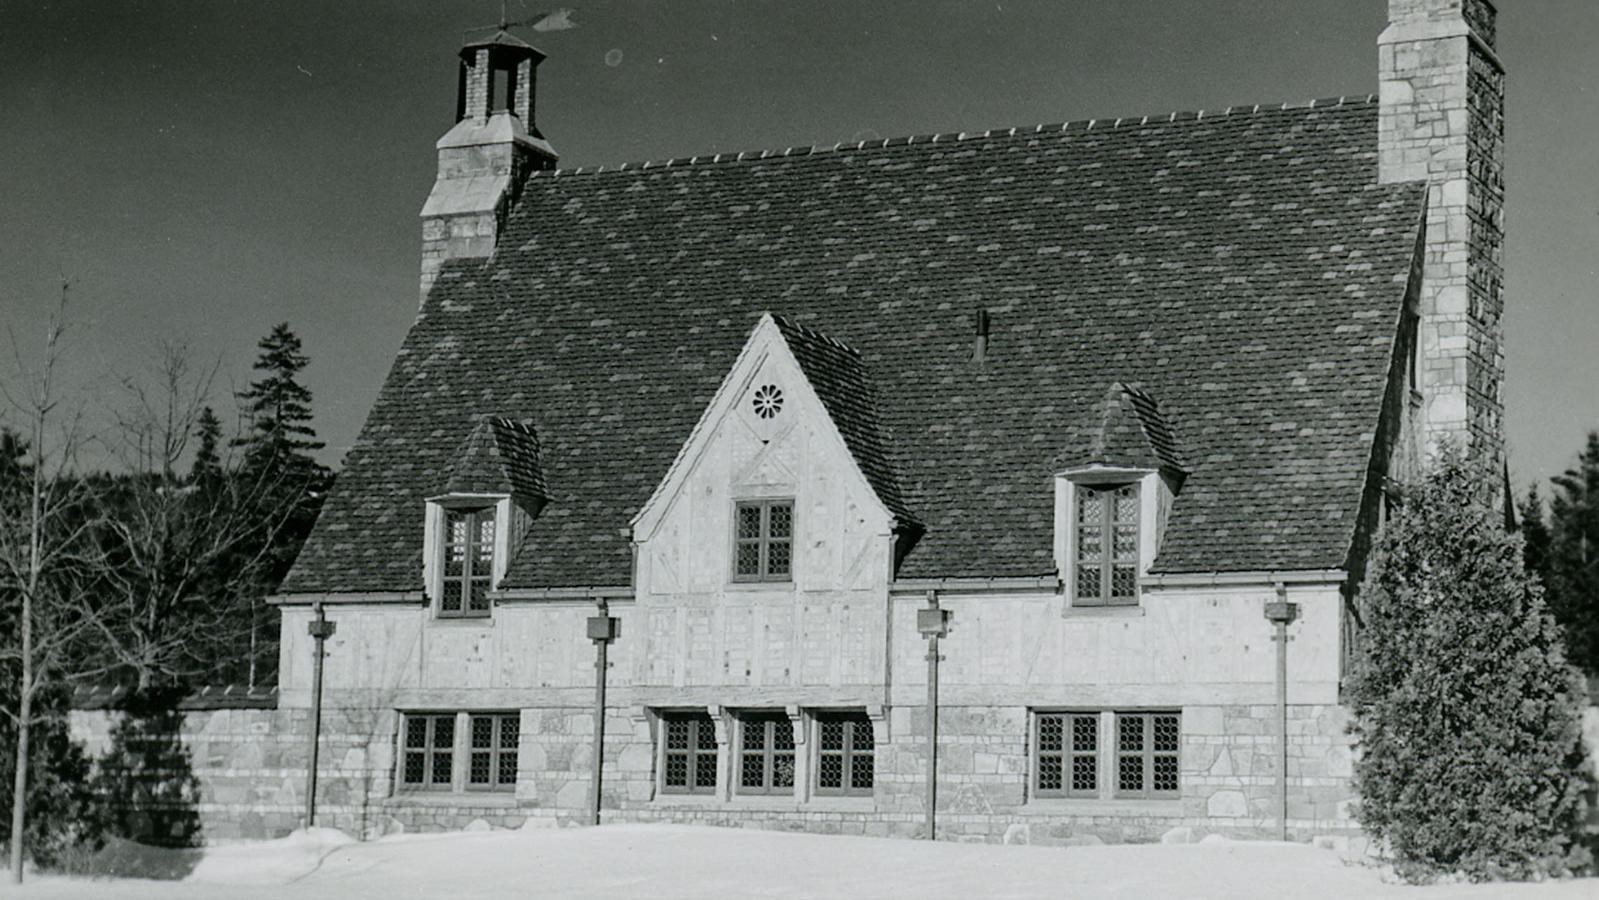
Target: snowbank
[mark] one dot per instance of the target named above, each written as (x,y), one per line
(663,862)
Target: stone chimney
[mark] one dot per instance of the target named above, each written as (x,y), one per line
(483,159)
(1442,91)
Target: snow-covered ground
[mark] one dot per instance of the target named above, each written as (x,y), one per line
(670,861)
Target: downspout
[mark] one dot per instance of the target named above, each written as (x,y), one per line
(933,623)
(320,630)
(1280,613)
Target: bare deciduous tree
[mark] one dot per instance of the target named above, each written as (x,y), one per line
(46,558)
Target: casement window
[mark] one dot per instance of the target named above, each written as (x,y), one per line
(1146,754)
(763,540)
(1106,540)
(467,566)
(1123,755)
(428,758)
(766,753)
(492,761)
(458,751)
(845,754)
(1066,758)
(688,754)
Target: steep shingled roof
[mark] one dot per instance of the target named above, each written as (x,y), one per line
(1125,428)
(1245,268)
(500,456)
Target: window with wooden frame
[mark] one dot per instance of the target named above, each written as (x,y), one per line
(1147,749)
(427,758)
(688,753)
(1106,558)
(845,754)
(468,561)
(1066,754)
(766,753)
(492,755)
(763,540)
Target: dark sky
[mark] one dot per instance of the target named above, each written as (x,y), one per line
(203,170)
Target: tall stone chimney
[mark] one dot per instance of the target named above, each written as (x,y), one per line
(1442,92)
(483,159)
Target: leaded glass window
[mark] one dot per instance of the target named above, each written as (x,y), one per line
(1066,761)
(845,753)
(492,763)
(1147,750)
(688,763)
(763,540)
(427,754)
(1106,520)
(468,563)
(766,753)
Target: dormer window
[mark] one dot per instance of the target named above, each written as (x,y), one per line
(467,568)
(1106,542)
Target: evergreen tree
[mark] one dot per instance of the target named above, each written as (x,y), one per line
(279,407)
(1574,556)
(207,460)
(1466,714)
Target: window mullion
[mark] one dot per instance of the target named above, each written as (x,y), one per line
(1107,545)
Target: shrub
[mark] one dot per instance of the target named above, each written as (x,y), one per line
(1466,715)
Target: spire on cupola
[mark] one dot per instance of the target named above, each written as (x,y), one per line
(485,156)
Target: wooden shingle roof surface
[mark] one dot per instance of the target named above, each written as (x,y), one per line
(1243,268)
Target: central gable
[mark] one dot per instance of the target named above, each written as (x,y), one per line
(769,437)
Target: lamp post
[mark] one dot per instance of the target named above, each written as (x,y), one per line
(1280,613)
(933,623)
(602,629)
(320,630)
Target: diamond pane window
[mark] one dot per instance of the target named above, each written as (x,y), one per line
(845,754)
(689,751)
(1148,747)
(766,753)
(1066,761)
(468,564)
(494,749)
(427,757)
(1106,557)
(763,540)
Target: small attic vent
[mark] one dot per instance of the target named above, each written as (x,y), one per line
(768,401)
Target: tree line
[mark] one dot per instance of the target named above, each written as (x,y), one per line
(148,572)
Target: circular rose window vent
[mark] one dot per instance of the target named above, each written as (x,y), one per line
(768,401)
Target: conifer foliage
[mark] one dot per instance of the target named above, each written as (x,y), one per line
(1573,560)
(1466,714)
(279,406)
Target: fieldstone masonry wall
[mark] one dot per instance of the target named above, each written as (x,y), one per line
(1442,120)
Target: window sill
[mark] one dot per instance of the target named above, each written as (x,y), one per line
(462,621)
(768,803)
(772,586)
(1108,611)
(497,799)
(1074,806)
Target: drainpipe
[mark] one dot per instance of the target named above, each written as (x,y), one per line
(602,629)
(320,630)
(933,623)
(1280,613)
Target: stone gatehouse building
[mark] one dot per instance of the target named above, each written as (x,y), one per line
(1104,391)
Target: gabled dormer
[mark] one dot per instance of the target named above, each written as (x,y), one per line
(1115,482)
(492,492)
(789,469)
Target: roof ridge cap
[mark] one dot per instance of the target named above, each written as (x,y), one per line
(948,137)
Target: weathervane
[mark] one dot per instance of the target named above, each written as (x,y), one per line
(552,20)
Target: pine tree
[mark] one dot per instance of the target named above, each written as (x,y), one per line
(207,466)
(1535,534)
(279,407)
(1574,556)
(1467,716)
